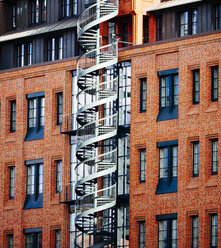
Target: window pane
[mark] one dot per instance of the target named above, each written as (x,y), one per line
(142,234)
(184,23)
(195,158)
(58,176)
(40,190)
(215,83)
(214,226)
(142,165)
(195,231)
(163,162)
(12,182)
(176,89)
(194,22)
(175,161)
(42,111)
(32,113)
(214,156)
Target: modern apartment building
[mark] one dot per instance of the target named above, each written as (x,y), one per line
(102,98)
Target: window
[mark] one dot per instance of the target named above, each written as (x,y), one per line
(214,159)
(196,159)
(145,30)
(24,54)
(57,238)
(195,231)
(159,28)
(36,106)
(59,108)
(168,167)
(33,240)
(38,11)
(169,90)
(215,83)
(167,231)
(55,48)
(143,166)
(10,241)
(12,182)
(12,116)
(58,176)
(217,16)
(111,31)
(214,230)
(125,35)
(142,234)
(188,23)
(14,15)
(34,184)
(143,94)
(196,86)
(69,8)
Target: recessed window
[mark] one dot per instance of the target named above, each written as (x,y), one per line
(195,231)
(38,11)
(55,48)
(188,23)
(141,234)
(12,116)
(12,182)
(214,159)
(195,146)
(33,240)
(59,108)
(24,54)
(196,86)
(35,172)
(14,9)
(143,94)
(214,230)
(58,176)
(169,91)
(159,27)
(142,165)
(217,16)
(215,83)
(34,184)
(36,113)
(57,238)
(145,29)
(69,8)
(10,241)
(168,167)
(167,232)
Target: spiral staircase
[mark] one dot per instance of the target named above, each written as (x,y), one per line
(97,90)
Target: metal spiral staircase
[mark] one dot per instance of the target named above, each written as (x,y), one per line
(97,126)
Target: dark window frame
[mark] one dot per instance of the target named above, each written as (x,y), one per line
(190,23)
(10,240)
(196,92)
(12,116)
(143,92)
(145,29)
(211,228)
(24,52)
(168,183)
(141,240)
(57,238)
(214,97)
(159,28)
(37,239)
(217,17)
(142,165)
(195,173)
(11,182)
(38,12)
(195,217)
(14,15)
(55,48)
(214,162)
(58,176)
(169,220)
(59,107)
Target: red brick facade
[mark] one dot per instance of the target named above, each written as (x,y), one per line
(15,84)
(195,196)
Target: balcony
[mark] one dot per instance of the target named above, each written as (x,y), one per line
(69,124)
(67,194)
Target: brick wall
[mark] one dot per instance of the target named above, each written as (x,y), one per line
(14,85)
(195,196)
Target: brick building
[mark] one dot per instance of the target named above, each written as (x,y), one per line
(167,131)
